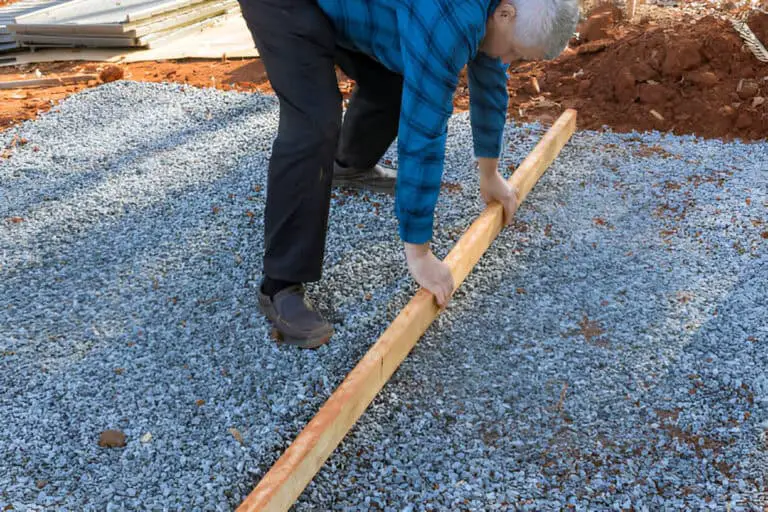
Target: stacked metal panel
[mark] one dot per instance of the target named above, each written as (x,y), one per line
(9,14)
(117,23)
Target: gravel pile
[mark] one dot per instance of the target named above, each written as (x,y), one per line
(609,351)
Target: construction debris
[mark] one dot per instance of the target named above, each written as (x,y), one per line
(122,31)
(9,13)
(117,24)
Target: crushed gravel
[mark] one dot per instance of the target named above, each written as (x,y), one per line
(607,352)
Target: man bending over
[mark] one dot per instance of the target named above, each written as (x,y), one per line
(405,57)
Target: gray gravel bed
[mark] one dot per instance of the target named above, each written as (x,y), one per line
(608,351)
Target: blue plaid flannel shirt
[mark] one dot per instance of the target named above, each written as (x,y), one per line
(428,42)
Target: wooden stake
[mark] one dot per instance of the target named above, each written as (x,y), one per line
(535,85)
(288,477)
(631,8)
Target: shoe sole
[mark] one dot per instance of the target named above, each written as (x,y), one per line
(307,343)
(283,338)
(364,185)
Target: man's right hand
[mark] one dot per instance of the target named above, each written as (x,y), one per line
(430,272)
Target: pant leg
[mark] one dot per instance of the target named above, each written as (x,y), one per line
(297,43)
(372,117)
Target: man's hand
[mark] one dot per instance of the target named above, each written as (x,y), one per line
(430,272)
(493,187)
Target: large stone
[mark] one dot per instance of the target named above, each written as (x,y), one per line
(112,439)
(747,89)
(598,25)
(682,57)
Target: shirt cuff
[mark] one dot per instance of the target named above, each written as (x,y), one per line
(488,150)
(414,229)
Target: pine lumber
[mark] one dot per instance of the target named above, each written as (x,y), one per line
(287,478)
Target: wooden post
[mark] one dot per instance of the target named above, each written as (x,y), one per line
(288,477)
(631,8)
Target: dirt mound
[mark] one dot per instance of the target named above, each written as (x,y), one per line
(693,78)
(696,79)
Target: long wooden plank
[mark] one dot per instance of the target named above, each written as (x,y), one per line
(46,82)
(288,477)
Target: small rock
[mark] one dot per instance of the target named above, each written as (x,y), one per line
(41,483)
(112,439)
(682,57)
(111,73)
(747,89)
(237,435)
(146,438)
(757,101)
(702,78)
(726,111)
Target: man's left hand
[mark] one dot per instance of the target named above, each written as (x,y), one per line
(493,187)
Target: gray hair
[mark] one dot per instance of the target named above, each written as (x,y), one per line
(546,24)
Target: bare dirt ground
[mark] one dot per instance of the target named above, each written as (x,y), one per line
(663,70)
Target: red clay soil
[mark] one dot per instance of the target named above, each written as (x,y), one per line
(678,76)
(17,105)
(687,79)
(758,23)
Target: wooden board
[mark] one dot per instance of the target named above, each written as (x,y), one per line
(47,82)
(288,477)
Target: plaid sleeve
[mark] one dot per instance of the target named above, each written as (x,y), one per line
(488,99)
(434,51)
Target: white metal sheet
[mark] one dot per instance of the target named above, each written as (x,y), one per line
(86,12)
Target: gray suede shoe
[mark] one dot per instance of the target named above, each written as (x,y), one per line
(294,318)
(376,179)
